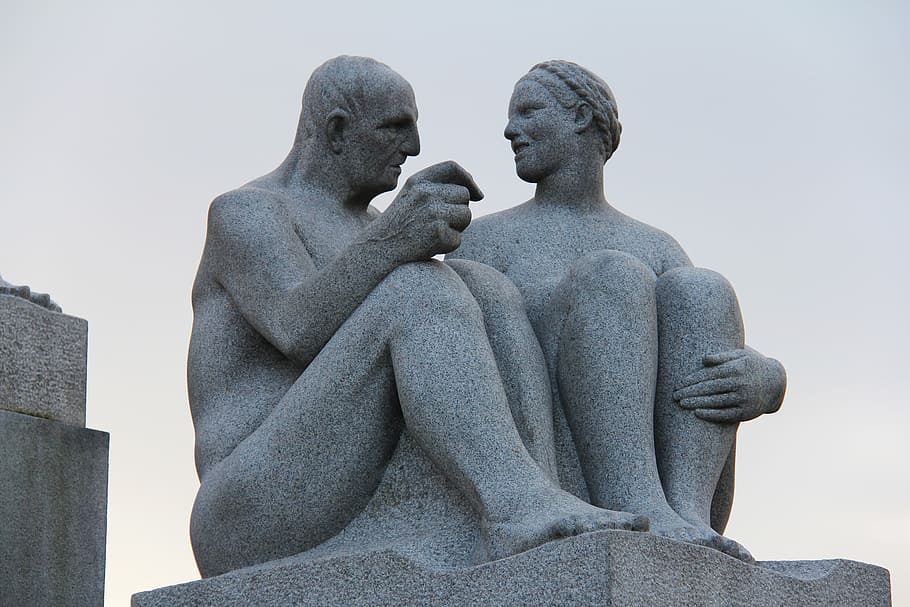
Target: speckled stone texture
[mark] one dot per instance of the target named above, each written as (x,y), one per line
(374,426)
(53,504)
(42,361)
(606,568)
(412,545)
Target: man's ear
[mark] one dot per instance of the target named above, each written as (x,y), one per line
(584,116)
(336,123)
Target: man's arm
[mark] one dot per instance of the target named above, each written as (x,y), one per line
(269,275)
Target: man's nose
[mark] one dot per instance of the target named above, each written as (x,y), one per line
(510,131)
(411,145)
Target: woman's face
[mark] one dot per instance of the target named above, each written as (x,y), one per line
(541,130)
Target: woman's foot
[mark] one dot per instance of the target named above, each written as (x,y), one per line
(548,516)
(674,527)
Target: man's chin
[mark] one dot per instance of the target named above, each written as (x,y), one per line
(526,175)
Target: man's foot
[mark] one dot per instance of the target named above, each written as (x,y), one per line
(674,527)
(548,517)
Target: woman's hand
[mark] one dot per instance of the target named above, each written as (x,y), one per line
(734,386)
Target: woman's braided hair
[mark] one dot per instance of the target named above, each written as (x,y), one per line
(589,89)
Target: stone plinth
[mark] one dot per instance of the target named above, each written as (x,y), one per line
(53,505)
(606,569)
(42,361)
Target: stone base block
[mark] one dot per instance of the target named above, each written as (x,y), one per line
(42,361)
(606,569)
(53,513)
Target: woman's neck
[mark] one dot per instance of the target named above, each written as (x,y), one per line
(577,187)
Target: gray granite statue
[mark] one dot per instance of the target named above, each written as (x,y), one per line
(375,427)
(323,329)
(649,371)
(41,299)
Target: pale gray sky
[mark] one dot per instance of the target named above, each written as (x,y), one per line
(770,138)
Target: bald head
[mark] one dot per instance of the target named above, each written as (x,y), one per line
(350,84)
(357,127)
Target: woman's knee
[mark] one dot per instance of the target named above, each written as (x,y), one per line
(697,301)
(690,290)
(610,271)
(490,287)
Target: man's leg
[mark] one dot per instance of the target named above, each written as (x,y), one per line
(698,314)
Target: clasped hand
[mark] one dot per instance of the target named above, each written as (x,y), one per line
(733,386)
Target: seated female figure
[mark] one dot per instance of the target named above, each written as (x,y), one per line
(648,368)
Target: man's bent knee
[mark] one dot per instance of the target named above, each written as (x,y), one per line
(417,288)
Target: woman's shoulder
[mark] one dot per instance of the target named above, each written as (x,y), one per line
(662,250)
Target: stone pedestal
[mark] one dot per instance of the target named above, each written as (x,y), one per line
(53,513)
(604,569)
(42,361)
(53,471)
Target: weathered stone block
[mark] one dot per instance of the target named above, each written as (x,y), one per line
(607,569)
(53,507)
(42,361)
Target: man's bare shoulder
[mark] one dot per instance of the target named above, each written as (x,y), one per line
(252,202)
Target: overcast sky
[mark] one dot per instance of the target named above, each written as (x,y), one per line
(770,138)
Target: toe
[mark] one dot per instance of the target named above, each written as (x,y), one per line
(640,523)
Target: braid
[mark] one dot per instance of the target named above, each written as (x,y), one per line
(591,90)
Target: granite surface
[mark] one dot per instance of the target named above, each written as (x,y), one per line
(42,361)
(604,569)
(323,328)
(53,513)
(25,292)
(649,371)
(374,426)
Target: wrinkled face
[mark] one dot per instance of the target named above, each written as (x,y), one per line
(382,136)
(541,130)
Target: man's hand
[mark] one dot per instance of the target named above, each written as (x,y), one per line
(733,386)
(429,214)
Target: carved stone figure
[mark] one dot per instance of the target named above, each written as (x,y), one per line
(375,426)
(41,299)
(322,328)
(647,362)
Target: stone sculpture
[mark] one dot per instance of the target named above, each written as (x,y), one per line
(322,328)
(378,428)
(41,299)
(645,353)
